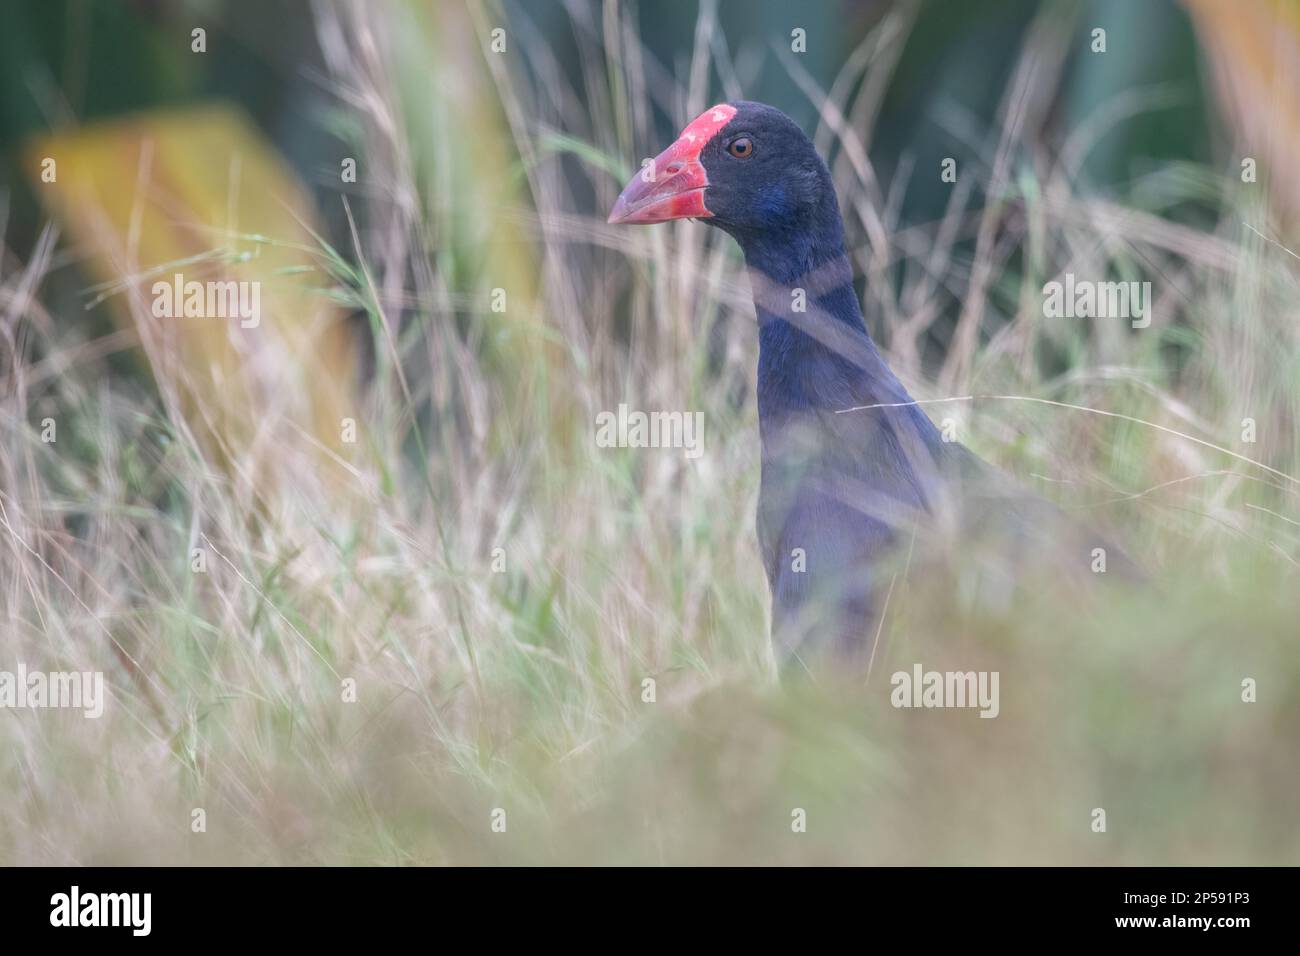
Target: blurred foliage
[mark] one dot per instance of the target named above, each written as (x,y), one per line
(65,62)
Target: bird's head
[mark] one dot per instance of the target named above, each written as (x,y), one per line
(744,167)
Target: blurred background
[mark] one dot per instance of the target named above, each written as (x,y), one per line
(1180,83)
(391,480)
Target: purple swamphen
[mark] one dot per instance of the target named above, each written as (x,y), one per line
(851,466)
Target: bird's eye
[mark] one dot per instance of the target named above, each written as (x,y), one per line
(741,148)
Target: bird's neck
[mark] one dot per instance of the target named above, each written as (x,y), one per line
(814,349)
(790,252)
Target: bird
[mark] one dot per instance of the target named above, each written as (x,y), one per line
(851,465)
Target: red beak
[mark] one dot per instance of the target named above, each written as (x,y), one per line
(671,186)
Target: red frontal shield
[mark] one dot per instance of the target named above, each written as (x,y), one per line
(671,186)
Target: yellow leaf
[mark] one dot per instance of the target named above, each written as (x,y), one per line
(159,195)
(1254,49)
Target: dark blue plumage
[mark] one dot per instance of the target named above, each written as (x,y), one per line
(836,487)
